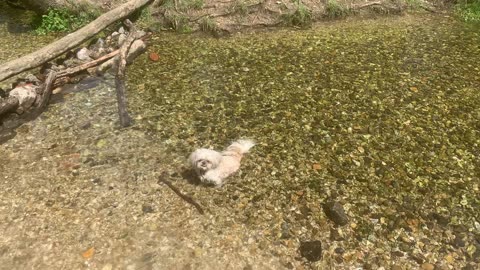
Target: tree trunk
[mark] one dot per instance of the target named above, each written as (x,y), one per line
(70,41)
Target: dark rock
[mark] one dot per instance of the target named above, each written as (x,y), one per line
(458,242)
(97,181)
(311,250)
(418,258)
(397,253)
(85,125)
(147,209)
(339,250)
(441,219)
(335,212)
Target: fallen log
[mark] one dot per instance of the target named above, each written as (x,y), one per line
(70,41)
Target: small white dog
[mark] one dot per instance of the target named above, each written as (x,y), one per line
(213,167)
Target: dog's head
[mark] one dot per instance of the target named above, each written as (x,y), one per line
(203,160)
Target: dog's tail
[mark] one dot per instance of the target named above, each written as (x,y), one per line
(241,146)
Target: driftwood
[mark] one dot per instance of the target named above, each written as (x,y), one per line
(184,197)
(125,119)
(9,104)
(70,41)
(87,65)
(47,91)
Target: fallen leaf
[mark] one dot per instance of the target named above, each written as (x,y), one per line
(414,89)
(316,166)
(449,258)
(89,253)
(154,57)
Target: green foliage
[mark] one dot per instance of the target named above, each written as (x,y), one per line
(61,20)
(468,11)
(335,10)
(301,17)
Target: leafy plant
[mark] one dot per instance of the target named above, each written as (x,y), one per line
(55,20)
(468,11)
(61,20)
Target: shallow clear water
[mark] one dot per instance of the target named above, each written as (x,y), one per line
(380,115)
(390,109)
(16,34)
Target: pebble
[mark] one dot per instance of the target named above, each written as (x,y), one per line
(311,250)
(336,213)
(427,266)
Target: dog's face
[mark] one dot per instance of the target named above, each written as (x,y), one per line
(203,160)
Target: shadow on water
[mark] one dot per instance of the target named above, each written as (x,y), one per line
(16,18)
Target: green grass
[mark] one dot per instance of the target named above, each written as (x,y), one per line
(208,25)
(333,10)
(468,11)
(302,16)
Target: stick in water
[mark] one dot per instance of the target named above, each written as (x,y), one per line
(186,198)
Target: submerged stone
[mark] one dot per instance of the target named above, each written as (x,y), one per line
(311,250)
(336,213)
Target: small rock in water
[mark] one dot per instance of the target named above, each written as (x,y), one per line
(84,54)
(25,94)
(427,266)
(147,209)
(121,39)
(311,250)
(335,212)
(85,125)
